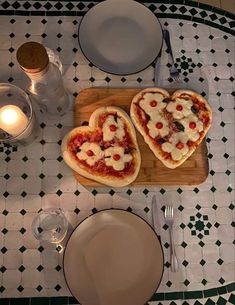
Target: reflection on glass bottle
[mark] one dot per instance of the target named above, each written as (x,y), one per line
(46,80)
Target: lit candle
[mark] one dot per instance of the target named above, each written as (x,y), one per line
(13,120)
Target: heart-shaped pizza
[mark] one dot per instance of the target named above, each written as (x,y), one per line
(172,125)
(106,150)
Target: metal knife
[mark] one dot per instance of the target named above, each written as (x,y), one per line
(157,70)
(155,217)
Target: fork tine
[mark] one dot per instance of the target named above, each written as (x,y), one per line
(169,211)
(166,211)
(172,212)
(177,79)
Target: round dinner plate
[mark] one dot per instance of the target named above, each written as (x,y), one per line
(113,257)
(120,36)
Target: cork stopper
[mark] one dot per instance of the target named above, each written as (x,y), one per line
(32,57)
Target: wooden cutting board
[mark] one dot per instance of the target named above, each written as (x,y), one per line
(152,172)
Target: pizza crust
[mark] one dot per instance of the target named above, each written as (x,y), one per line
(159,153)
(93,123)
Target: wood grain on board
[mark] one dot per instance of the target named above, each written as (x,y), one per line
(152,172)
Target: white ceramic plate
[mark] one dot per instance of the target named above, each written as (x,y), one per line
(112,258)
(120,36)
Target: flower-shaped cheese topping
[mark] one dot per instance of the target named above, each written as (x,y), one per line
(90,152)
(180,108)
(177,145)
(152,103)
(113,128)
(115,157)
(192,126)
(158,126)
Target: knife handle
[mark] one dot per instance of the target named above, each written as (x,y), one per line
(174,260)
(166,36)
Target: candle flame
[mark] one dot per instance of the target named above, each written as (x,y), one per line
(9,116)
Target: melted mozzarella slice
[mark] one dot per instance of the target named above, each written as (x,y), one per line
(108,134)
(154,131)
(176,154)
(171,147)
(118,165)
(179,137)
(193,133)
(96,150)
(152,108)
(148,97)
(167,147)
(185,106)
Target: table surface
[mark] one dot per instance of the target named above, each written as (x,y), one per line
(35,176)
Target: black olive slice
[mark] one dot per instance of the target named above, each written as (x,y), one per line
(179,126)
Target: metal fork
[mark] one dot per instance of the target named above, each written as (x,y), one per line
(174,72)
(169,217)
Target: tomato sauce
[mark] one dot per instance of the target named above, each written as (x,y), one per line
(102,169)
(142,118)
(97,137)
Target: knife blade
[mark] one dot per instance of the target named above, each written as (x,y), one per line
(157,70)
(155,216)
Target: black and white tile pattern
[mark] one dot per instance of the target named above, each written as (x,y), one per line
(35,176)
(188,10)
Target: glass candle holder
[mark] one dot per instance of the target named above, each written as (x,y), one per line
(18,124)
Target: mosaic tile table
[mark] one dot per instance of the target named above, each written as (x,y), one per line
(36,177)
